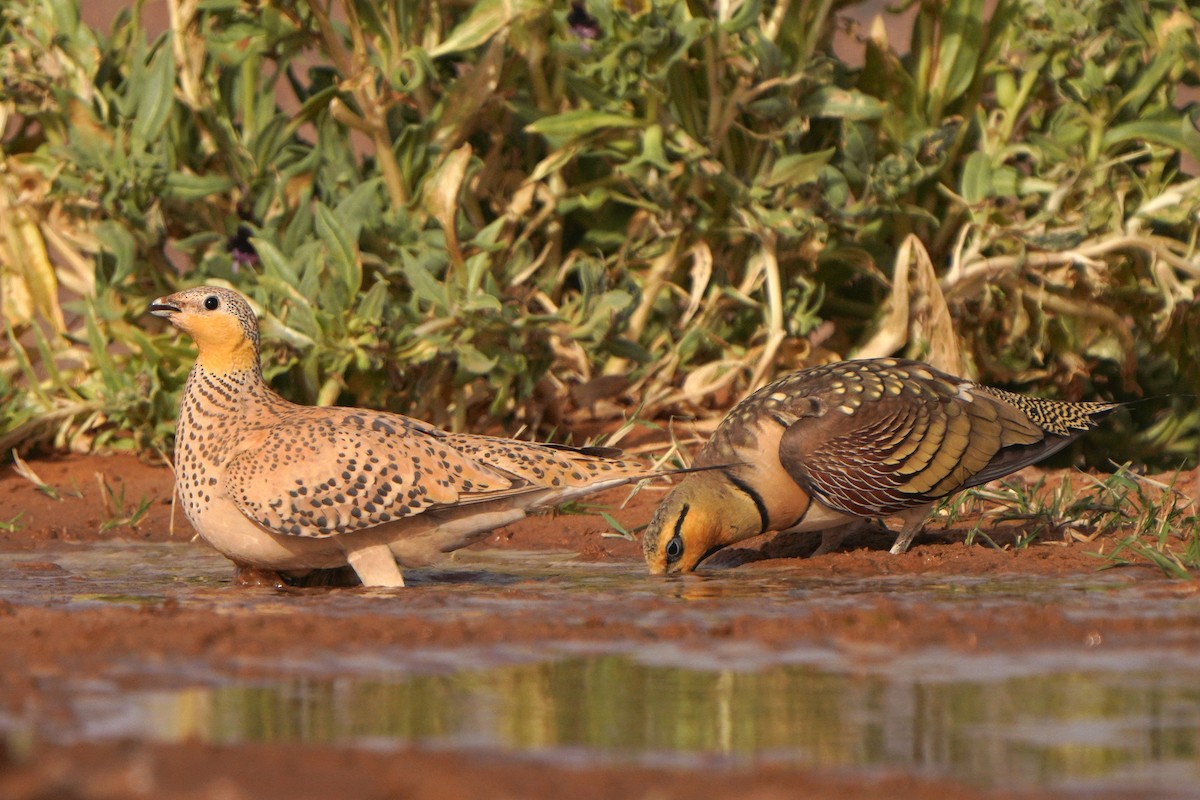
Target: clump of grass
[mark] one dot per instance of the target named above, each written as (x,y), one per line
(1165,530)
(1058,511)
(1147,519)
(12,525)
(117,512)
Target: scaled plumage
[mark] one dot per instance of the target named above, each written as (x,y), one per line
(288,488)
(823,448)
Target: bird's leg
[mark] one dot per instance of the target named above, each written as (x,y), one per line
(914,521)
(831,538)
(372,561)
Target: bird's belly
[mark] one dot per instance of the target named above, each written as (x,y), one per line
(819,517)
(228,530)
(424,539)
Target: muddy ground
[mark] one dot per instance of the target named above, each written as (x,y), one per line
(51,639)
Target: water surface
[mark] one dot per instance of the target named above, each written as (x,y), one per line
(1078,716)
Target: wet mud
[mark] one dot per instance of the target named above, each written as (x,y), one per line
(545,663)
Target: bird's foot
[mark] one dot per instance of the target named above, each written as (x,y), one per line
(325,578)
(307,579)
(245,575)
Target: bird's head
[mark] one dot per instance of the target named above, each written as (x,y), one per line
(703,514)
(221,323)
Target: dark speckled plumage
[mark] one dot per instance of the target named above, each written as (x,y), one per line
(364,478)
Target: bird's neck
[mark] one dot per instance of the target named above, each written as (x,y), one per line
(221,358)
(740,514)
(228,400)
(725,513)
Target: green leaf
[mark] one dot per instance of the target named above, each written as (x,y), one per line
(301,315)
(833,103)
(470,359)
(156,98)
(481,301)
(314,278)
(977,178)
(799,168)
(117,241)
(98,342)
(1179,135)
(187,187)
(1150,78)
(487,19)
(959,54)
(53,373)
(569,125)
(299,229)
(66,15)
(621,347)
(371,305)
(424,286)
(1005,180)
(274,263)
(745,16)
(343,255)
(360,207)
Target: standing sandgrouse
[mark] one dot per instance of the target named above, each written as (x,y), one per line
(823,448)
(286,488)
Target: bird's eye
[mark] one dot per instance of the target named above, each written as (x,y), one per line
(211,302)
(674,548)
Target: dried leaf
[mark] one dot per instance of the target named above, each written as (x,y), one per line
(441,196)
(931,325)
(29,284)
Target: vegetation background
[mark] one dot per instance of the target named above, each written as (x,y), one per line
(518,212)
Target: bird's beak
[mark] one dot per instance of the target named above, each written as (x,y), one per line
(161,308)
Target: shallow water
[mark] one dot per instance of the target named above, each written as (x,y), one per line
(1072,716)
(1047,723)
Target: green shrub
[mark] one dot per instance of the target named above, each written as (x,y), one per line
(461,211)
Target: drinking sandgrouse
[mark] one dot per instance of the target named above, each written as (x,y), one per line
(824,448)
(287,488)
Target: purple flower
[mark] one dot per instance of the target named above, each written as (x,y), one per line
(238,245)
(584,25)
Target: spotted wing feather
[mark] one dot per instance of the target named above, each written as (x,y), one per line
(877,437)
(357,470)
